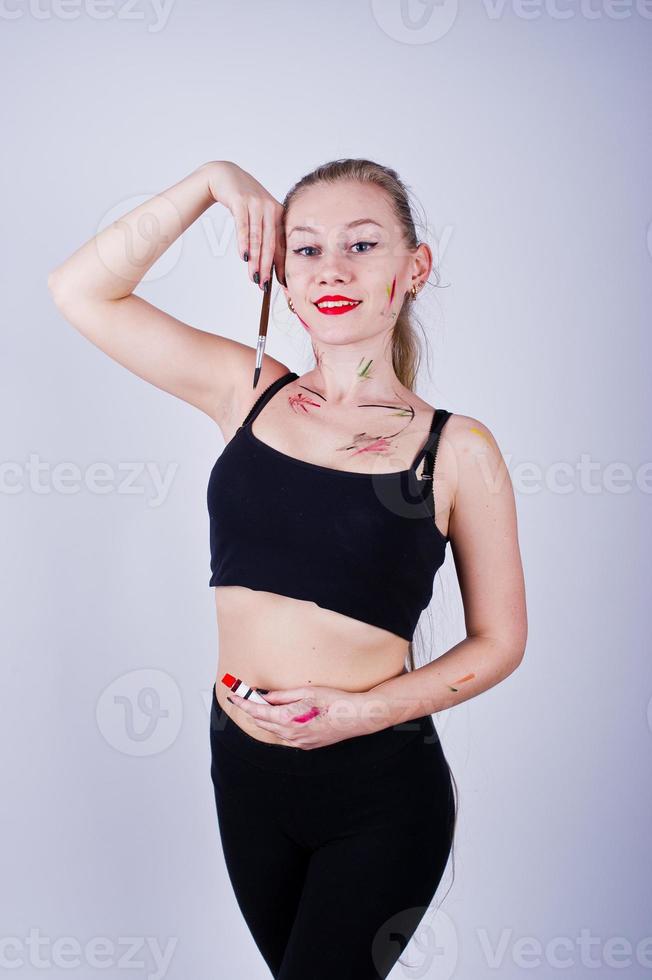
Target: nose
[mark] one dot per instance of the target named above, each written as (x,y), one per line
(334,269)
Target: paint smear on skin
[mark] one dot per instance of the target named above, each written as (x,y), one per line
(363,372)
(467,677)
(307,717)
(477,432)
(300,402)
(303,322)
(362,443)
(390,292)
(377,444)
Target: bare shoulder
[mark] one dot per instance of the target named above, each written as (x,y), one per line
(244,394)
(483,516)
(468,452)
(467,435)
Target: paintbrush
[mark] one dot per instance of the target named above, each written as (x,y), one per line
(262,329)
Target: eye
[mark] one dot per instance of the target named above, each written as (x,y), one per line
(301,251)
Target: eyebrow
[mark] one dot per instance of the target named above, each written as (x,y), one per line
(351,224)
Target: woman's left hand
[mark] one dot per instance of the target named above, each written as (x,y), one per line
(308,717)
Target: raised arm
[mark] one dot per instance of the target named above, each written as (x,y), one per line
(93,289)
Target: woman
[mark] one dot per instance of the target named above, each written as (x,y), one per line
(334,800)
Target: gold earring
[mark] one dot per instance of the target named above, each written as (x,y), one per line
(290,304)
(415,289)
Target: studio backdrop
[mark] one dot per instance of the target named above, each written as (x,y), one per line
(522,132)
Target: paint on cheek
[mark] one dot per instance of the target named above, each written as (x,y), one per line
(308,716)
(390,293)
(303,322)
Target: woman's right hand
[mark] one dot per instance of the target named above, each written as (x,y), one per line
(258,219)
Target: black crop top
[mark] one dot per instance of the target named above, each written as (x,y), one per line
(364,545)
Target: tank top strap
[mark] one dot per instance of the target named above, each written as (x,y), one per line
(440,416)
(265,396)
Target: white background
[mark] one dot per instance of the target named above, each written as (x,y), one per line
(523,131)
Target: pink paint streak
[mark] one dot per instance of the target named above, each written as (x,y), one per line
(301,401)
(379,445)
(303,322)
(310,714)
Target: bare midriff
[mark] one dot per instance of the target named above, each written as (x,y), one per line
(275,642)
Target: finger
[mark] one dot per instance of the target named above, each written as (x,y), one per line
(259,712)
(241,219)
(280,252)
(291,694)
(268,244)
(275,728)
(255,241)
(287,737)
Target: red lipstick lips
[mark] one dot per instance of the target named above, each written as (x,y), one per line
(342,304)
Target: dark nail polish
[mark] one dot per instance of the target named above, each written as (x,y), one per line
(246,256)
(266,285)
(256,278)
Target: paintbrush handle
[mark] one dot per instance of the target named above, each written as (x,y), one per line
(262,332)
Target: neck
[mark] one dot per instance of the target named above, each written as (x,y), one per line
(345,375)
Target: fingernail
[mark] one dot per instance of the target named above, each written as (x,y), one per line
(266,286)
(230,699)
(246,256)
(256,278)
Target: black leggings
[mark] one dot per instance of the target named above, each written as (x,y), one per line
(334,853)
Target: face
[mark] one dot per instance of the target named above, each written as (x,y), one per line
(346,254)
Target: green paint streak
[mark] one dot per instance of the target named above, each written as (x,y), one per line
(364,371)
